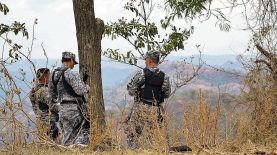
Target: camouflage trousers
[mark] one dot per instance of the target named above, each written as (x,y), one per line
(73,125)
(44,117)
(42,123)
(143,120)
(47,125)
(54,129)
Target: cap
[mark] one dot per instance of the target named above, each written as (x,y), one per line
(154,55)
(42,71)
(69,55)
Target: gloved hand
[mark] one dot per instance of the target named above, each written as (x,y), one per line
(85,77)
(43,106)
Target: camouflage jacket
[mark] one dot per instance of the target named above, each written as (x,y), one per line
(139,79)
(73,79)
(39,98)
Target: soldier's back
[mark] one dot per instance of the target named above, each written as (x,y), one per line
(40,98)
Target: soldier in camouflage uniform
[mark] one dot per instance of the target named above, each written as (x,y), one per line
(40,99)
(67,90)
(150,87)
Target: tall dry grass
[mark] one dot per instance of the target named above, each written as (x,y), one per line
(200,124)
(205,127)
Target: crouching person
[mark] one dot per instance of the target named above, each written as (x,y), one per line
(69,90)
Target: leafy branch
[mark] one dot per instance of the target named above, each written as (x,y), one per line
(4,8)
(143,34)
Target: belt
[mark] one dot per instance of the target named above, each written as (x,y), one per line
(151,103)
(69,102)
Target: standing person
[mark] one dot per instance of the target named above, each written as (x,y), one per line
(149,87)
(67,88)
(40,100)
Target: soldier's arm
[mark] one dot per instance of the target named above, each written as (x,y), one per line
(33,102)
(166,87)
(74,79)
(51,88)
(52,96)
(45,96)
(136,81)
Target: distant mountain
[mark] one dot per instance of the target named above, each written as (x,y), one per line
(116,75)
(217,86)
(209,80)
(214,60)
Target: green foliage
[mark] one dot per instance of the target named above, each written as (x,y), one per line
(4,8)
(129,58)
(144,34)
(186,8)
(191,9)
(16,28)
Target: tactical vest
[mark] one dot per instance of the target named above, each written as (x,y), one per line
(152,92)
(67,87)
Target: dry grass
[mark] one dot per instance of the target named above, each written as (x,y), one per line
(200,129)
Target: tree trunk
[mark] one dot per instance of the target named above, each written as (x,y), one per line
(89,34)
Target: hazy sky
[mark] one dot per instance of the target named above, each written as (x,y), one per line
(56,27)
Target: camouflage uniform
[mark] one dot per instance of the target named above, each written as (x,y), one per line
(40,99)
(141,116)
(71,115)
